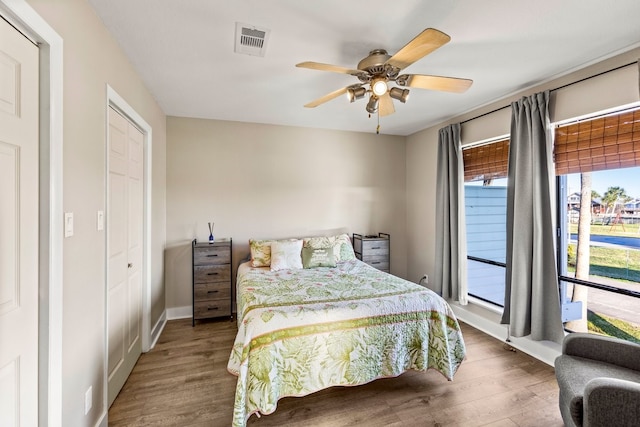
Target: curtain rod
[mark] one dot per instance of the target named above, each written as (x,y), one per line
(553,90)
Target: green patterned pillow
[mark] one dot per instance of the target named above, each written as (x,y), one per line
(319,242)
(318,257)
(341,244)
(260,252)
(345,251)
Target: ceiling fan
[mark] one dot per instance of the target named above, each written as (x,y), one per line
(379,69)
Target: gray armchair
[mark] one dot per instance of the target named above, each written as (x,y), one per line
(599,380)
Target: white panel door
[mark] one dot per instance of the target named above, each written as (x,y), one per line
(124,258)
(18,229)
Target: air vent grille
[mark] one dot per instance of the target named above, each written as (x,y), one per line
(251,40)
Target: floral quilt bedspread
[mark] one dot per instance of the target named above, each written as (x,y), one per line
(300,331)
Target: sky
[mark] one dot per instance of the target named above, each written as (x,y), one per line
(627,178)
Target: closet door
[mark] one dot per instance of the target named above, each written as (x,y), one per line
(18,228)
(124,249)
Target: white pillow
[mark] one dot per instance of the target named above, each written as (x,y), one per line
(286,255)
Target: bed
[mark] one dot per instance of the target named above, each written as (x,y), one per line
(301,330)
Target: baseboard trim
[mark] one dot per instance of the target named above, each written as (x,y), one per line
(175,313)
(157,329)
(102,422)
(489,323)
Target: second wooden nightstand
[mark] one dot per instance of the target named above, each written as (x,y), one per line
(374,250)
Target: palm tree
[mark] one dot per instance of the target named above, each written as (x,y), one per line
(611,197)
(580,292)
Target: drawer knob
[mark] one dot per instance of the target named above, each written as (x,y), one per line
(212,292)
(212,308)
(375,262)
(375,247)
(212,274)
(210,255)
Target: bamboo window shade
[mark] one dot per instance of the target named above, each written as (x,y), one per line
(609,142)
(601,143)
(486,161)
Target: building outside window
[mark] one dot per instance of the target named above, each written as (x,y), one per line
(485,176)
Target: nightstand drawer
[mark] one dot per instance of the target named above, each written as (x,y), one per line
(379,262)
(375,247)
(209,291)
(211,273)
(211,308)
(211,255)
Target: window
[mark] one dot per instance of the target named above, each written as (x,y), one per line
(604,296)
(598,169)
(485,172)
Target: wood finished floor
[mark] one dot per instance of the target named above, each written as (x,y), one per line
(183,381)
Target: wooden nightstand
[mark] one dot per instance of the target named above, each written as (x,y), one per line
(211,279)
(374,250)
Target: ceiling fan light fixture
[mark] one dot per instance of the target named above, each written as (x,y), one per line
(356,93)
(372,105)
(379,87)
(379,75)
(400,94)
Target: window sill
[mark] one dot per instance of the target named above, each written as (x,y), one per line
(486,318)
(486,305)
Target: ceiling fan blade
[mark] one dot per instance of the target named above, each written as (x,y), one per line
(446,84)
(422,45)
(385,105)
(328,67)
(327,97)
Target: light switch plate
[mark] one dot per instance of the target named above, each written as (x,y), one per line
(68,224)
(100,220)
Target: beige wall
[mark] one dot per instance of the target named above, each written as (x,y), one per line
(253,180)
(92,59)
(264,181)
(605,91)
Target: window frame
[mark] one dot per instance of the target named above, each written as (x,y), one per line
(562,209)
(561,212)
(497,139)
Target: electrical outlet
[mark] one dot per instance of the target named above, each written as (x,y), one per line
(425,278)
(88,400)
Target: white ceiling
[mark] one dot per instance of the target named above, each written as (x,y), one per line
(184,51)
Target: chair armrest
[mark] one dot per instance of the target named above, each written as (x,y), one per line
(611,402)
(605,349)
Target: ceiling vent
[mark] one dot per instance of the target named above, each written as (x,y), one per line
(251,40)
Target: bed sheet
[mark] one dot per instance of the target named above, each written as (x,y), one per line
(303,330)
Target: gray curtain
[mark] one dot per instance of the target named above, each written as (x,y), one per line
(451,235)
(532,301)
